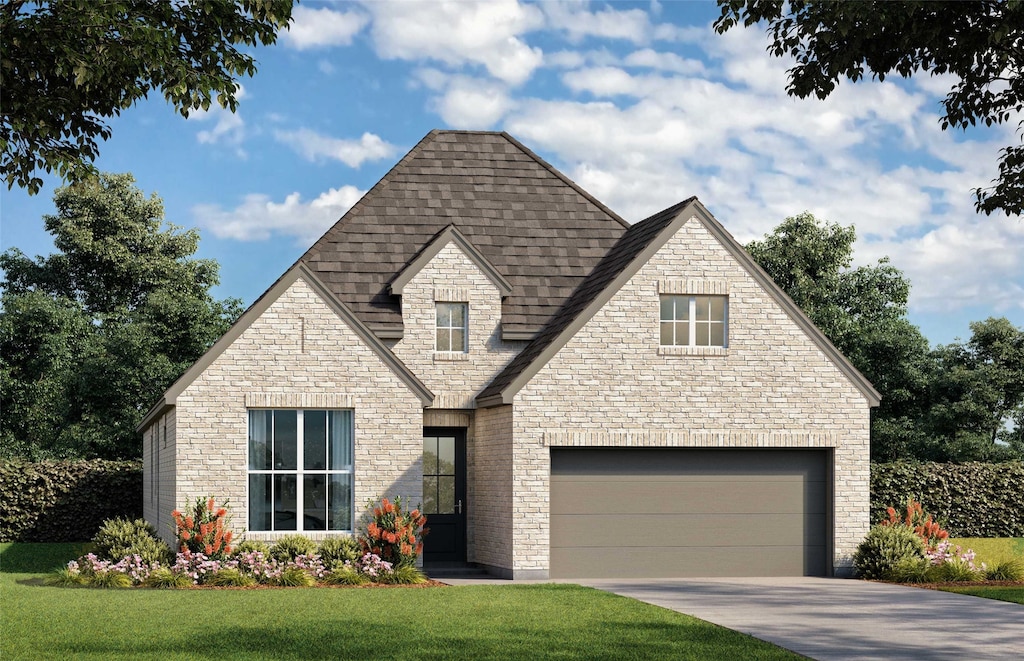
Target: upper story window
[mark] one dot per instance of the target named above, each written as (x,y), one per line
(694,321)
(452,327)
(300,470)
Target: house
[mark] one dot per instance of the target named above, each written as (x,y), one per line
(565,393)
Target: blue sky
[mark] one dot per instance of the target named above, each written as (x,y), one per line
(641,103)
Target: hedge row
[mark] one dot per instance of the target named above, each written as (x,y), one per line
(972,499)
(66,501)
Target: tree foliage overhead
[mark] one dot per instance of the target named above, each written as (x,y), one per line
(91,335)
(66,66)
(977,42)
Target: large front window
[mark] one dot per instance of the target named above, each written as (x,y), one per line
(300,470)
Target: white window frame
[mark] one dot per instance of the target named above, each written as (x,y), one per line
(691,320)
(464,327)
(299,472)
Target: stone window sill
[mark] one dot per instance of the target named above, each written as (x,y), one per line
(450,356)
(693,351)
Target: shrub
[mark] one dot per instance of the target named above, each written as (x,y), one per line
(66,501)
(1009,570)
(345,575)
(110,579)
(252,545)
(884,549)
(336,551)
(229,576)
(119,538)
(930,532)
(403,575)
(163,577)
(393,534)
(957,570)
(65,578)
(972,499)
(202,528)
(290,547)
(295,577)
(916,570)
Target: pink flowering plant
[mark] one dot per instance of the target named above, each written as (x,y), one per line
(205,557)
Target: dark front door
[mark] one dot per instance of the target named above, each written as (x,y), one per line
(444,495)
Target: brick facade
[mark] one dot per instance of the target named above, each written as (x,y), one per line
(297,354)
(611,386)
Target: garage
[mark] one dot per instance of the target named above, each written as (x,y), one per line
(653,512)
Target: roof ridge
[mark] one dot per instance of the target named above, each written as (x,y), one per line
(572,184)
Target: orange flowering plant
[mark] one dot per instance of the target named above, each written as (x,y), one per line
(202,528)
(915,518)
(393,534)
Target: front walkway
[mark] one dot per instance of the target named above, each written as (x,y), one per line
(842,620)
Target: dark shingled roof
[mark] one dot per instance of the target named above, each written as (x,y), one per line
(541,231)
(628,248)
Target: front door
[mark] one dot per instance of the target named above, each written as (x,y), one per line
(444,495)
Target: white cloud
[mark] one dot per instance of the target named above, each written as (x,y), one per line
(459,33)
(317,147)
(320,28)
(258,218)
(228,127)
(469,103)
(663,62)
(575,18)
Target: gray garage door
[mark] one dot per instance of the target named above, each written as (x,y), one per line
(633,513)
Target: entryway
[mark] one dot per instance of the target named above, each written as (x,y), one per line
(444,497)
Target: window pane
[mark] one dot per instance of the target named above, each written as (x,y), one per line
(458,315)
(429,494)
(314,502)
(718,335)
(430,455)
(702,335)
(666,308)
(260,439)
(314,440)
(682,308)
(340,440)
(285,516)
(340,502)
(445,495)
(285,438)
(259,502)
(444,340)
(703,308)
(666,334)
(682,333)
(718,308)
(444,315)
(446,455)
(458,340)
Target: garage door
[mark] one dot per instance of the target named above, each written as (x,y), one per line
(633,513)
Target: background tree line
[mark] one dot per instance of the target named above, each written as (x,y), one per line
(92,335)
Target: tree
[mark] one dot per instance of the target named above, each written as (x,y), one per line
(977,42)
(863,312)
(981,391)
(68,65)
(90,336)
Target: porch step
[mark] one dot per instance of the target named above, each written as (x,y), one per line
(463,571)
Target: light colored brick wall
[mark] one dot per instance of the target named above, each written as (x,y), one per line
(298,353)
(490,508)
(159,495)
(610,385)
(455,379)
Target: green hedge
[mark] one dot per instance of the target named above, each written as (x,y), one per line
(971,499)
(66,501)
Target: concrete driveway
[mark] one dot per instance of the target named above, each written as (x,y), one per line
(841,620)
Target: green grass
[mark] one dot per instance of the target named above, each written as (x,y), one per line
(993,551)
(478,622)
(1012,594)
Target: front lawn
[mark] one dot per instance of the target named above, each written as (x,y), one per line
(993,550)
(1012,593)
(479,622)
